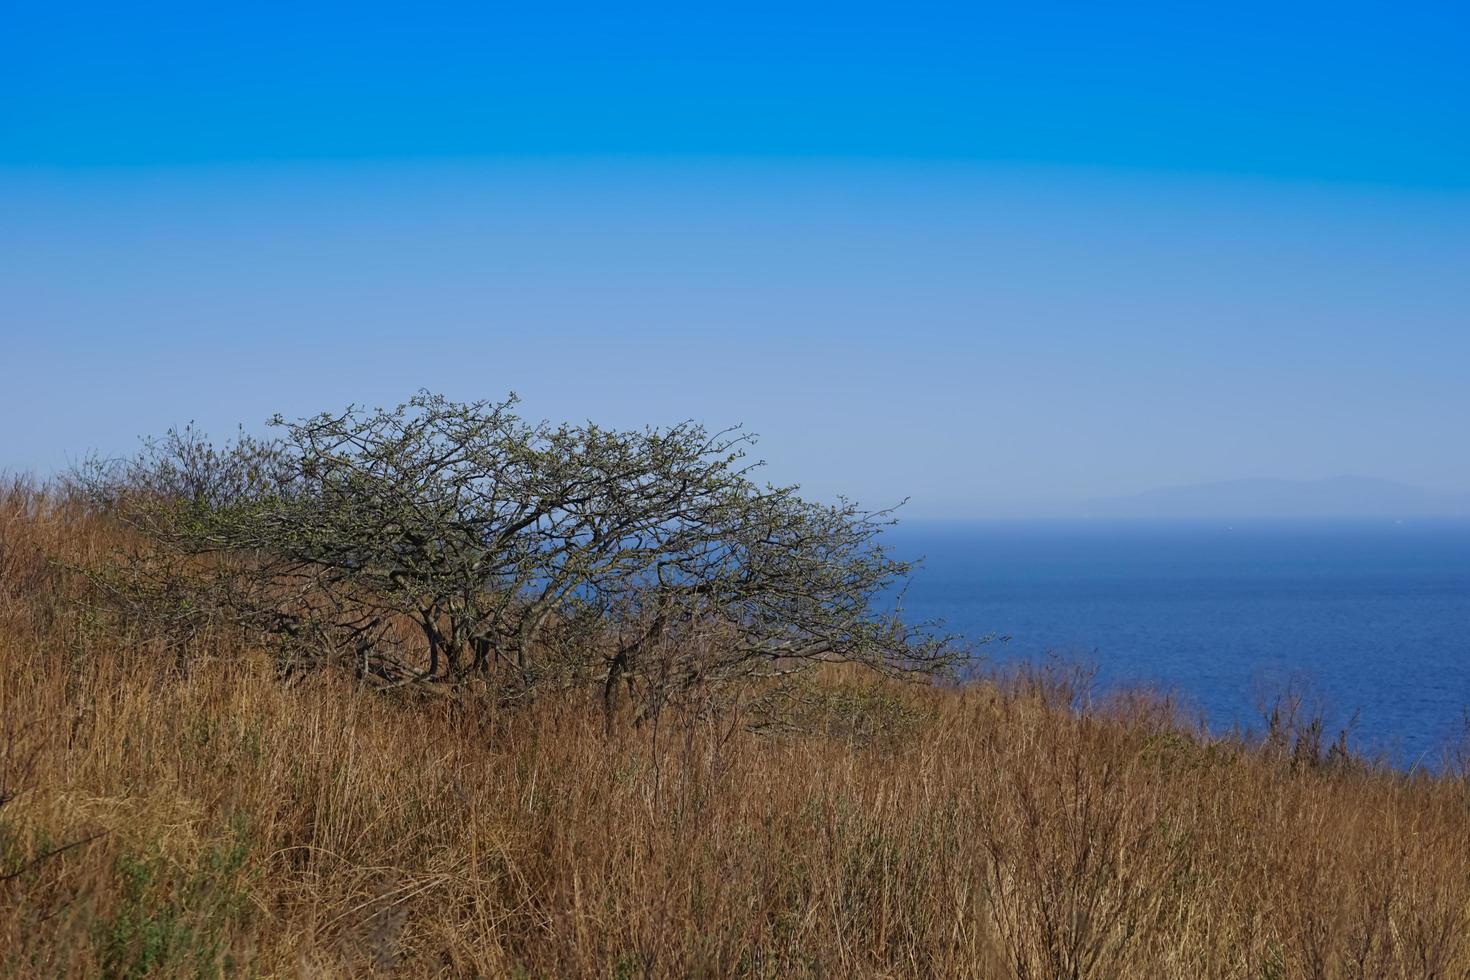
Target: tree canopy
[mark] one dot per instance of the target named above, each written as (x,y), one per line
(442,541)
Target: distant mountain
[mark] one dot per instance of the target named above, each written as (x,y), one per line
(1342,496)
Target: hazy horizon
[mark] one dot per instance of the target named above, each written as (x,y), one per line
(1344,497)
(995,261)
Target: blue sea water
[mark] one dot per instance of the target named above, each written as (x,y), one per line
(1370,618)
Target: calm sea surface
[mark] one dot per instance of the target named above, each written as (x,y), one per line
(1371,618)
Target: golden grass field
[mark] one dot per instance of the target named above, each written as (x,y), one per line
(194,815)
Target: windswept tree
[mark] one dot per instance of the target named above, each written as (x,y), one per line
(445,542)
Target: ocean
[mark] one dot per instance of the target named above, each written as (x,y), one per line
(1370,620)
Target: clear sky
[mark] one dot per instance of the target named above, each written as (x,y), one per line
(988,257)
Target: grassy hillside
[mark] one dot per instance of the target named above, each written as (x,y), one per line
(189,813)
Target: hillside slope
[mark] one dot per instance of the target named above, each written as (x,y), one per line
(186,812)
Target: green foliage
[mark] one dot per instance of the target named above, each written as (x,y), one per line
(173,922)
(858,711)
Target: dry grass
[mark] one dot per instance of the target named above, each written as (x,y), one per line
(227,823)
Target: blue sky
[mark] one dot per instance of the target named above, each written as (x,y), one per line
(987,257)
